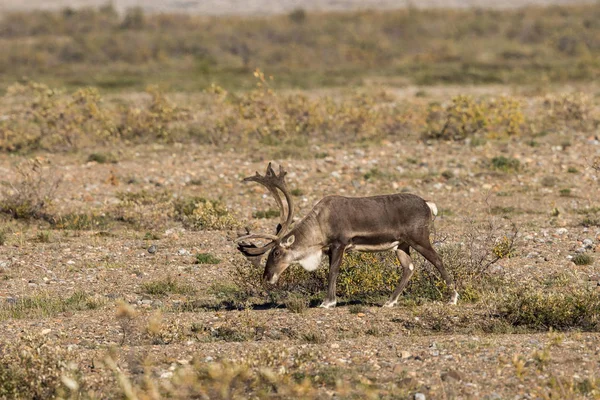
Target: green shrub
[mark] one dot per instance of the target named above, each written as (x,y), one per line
(582,259)
(206,258)
(569,308)
(270,213)
(505,164)
(102,158)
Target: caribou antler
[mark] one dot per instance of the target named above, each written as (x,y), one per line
(272,182)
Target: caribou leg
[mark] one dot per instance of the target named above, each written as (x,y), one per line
(408,268)
(432,256)
(336,254)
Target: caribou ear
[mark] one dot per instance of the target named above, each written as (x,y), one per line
(289,241)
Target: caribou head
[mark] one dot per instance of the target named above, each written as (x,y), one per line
(280,256)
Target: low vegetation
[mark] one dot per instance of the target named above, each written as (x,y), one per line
(99,47)
(166,286)
(41,118)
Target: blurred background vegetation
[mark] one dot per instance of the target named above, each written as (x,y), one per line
(112,51)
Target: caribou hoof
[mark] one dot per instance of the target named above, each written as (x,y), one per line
(327,304)
(390,303)
(454,298)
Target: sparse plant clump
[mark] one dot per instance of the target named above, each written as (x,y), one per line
(466,118)
(34,367)
(202,214)
(156,120)
(80,222)
(102,158)
(206,258)
(505,164)
(582,259)
(43,237)
(356,309)
(565,309)
(167,286)
(43,118)
(52,120)
(296,304)
(270,213)
(569,109)
(44,305)
(30,196)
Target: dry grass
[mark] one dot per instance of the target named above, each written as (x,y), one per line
(101,48)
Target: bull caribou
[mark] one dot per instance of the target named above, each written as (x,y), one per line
(339,224)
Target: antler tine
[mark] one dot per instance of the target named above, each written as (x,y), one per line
(251,250)
(257,236)
(272,182)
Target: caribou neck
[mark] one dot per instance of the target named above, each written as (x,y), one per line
(308,236)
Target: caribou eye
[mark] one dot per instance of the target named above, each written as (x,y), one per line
(277,252)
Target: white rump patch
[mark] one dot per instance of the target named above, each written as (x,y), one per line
(433,207)
(312,261)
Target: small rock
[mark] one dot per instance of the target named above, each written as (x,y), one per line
(166,374)
(420,396)
(152,249)
(404,355)
(407,382)
(493,396)
(360,315)
(46,331)
(398,369)
(452,374)
(588,243)
(183,252)
(335,345)
(561,231)
(208,359)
